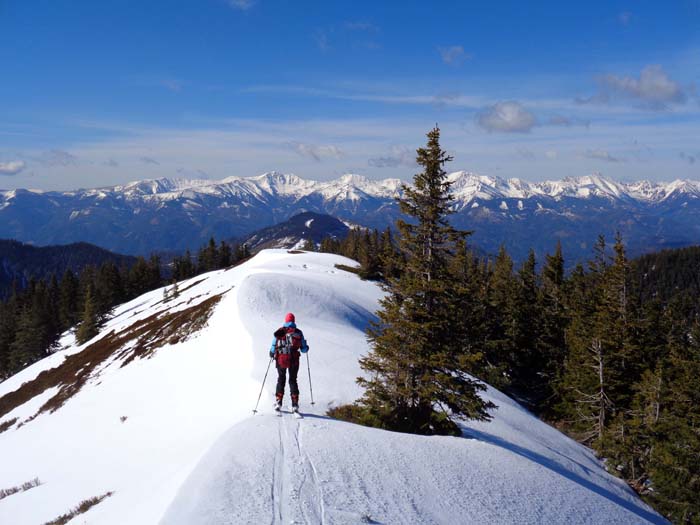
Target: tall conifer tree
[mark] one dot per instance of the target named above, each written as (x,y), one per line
(416,372)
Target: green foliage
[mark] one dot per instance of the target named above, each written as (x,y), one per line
(89,323)
(416,376)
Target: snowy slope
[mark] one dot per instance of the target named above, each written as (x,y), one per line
(190,451)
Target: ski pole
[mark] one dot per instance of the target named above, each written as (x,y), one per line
(255,410)
(308,367)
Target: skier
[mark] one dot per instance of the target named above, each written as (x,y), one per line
(288,341)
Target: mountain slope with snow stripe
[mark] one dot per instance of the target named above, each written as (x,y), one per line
(190,450)
(466,186)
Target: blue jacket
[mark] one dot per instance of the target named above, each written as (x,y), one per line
(304,345)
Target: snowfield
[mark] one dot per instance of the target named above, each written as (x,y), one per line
(168,428)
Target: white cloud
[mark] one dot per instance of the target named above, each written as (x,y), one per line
(454,55)
(653,87)
(507,117)
(12,167)
(316,151)
(599,154)
(398,156)
(242,5)
(551,154)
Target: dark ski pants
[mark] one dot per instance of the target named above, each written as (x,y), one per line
(282,379)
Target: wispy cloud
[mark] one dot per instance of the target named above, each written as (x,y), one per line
(172,84)
(242,5)
(653,89)
(111,163)
(377,147)
(367,27)
(317,151)
(149,160)
(507,117)
(57,157)
(525,154)
(624,18)
(562,120)
(322,41)
(599,154)
(12,167)
(454,55)
(690,159)
(398,156)
(192,174)
(440,100)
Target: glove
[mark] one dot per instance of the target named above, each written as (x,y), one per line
(305,349)
(272,355)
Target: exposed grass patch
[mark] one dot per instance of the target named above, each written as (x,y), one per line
(141,339)
(7,424)
(21,488)
(82,508)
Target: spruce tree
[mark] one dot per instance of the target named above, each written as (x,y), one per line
(674,465)
(500,346)
(528,364)
(553,322)
(68,293)
(389,257)
(416,374)
(208,257)
(89,322)
(225,256)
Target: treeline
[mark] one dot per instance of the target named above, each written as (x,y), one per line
(32,319)
(609,353)
(19,262)
(377,253)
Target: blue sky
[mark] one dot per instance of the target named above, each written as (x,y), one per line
(100,93)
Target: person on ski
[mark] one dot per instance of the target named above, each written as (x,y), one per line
(288,341)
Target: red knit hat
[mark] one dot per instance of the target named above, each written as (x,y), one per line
(289,318)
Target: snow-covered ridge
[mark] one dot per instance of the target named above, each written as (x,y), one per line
(172,435)
(466,186)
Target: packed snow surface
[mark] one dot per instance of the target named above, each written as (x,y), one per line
(190,451)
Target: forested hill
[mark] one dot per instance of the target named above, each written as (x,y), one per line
(20,262)
(668,273)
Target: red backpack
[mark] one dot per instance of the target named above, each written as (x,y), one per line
(289,341)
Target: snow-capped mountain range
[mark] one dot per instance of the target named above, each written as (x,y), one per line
(174,214)
(153,418)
